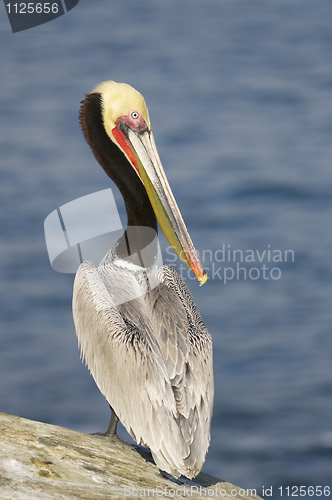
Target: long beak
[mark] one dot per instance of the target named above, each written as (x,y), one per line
(163,201)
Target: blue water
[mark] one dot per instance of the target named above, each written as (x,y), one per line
(240,99)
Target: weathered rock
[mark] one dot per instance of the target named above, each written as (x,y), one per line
(42,461)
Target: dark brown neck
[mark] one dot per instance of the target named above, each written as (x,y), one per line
(118,168)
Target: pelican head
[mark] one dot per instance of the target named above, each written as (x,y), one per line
(126,122)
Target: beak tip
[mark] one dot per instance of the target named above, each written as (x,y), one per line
(203,279)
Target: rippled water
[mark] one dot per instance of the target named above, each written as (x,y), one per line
(239,94)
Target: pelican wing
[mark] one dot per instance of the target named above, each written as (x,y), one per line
(186,345)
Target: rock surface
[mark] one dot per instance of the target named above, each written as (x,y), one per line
(42,461)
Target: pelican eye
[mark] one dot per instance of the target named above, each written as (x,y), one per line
(134,115)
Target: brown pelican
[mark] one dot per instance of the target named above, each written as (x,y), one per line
(138,327)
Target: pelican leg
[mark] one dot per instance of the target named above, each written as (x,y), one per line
(111,431)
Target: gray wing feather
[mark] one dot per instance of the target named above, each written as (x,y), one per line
(152,359)
(187,348)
